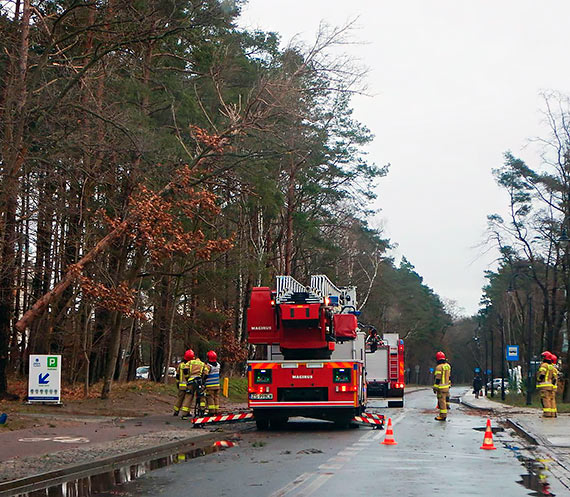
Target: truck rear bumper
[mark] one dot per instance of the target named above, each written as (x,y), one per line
(316,412)
(378,389)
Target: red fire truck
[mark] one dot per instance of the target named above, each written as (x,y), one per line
(313,355)
(385,368)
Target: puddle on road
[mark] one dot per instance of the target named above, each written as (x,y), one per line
(111,481)
(537,477)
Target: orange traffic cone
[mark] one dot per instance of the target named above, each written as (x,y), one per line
(488,440)
(389,438)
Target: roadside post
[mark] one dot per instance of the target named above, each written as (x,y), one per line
(226,387)
(511,354)
(44,379)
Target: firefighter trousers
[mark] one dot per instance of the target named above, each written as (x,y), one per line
(548,410)
(443,402)
(552,399)
(213,399)
(184,401)
(179,399)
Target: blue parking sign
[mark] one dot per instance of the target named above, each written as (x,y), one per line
(512,352)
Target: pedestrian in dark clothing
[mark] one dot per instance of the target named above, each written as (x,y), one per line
(477,385)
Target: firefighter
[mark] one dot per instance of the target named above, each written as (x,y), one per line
(213,383)
(373,339)
(182,378)
(196,373)
(554,376)
(441,385)
(544,384)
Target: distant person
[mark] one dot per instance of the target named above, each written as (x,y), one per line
(182,380)
(373,339)
(196,375)
(441,385)
(213,383)
(545,386)
(554,376)
(477,385)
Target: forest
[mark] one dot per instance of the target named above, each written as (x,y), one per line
(157,162)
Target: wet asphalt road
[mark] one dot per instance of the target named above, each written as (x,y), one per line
(314,458)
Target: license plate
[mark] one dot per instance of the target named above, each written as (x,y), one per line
(261,396)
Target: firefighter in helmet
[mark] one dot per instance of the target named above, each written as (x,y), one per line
(373,339)
(554,376)
(213,383)
(441,385)
(544,384)
(196,373)
(182,379)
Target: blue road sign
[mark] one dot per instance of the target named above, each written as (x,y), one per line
(477,370)
(512,352)
(43,379)
(431,370)
(488,371)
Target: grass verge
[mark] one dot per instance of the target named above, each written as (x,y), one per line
(238,390)
(519,400)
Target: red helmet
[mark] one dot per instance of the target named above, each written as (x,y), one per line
(553,358)
(546,355)
(189,355)
(439,356)
(212,356)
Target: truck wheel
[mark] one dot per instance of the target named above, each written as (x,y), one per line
(278,422)
(262,423)
(342,423)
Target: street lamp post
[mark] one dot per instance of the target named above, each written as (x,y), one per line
(492,363)
(502,325)
(486,366)
(529,354)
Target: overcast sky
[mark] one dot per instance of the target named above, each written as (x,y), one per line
(454,85)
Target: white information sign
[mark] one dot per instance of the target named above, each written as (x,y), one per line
(44,378)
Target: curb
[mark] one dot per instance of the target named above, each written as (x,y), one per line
(524,432)
(563,473)
(56,477)
(415,389)
(473,406)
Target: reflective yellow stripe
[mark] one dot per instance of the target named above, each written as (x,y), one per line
(176,408)
(185,408)
(548,409)
(443,411)
(542,385)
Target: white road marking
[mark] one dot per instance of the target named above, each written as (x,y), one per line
(368,435)
(64,440)
(297,482)
(338,459)
(315,485)
(330,467)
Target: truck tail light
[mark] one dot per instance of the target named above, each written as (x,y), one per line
(346,388)
(258,389)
